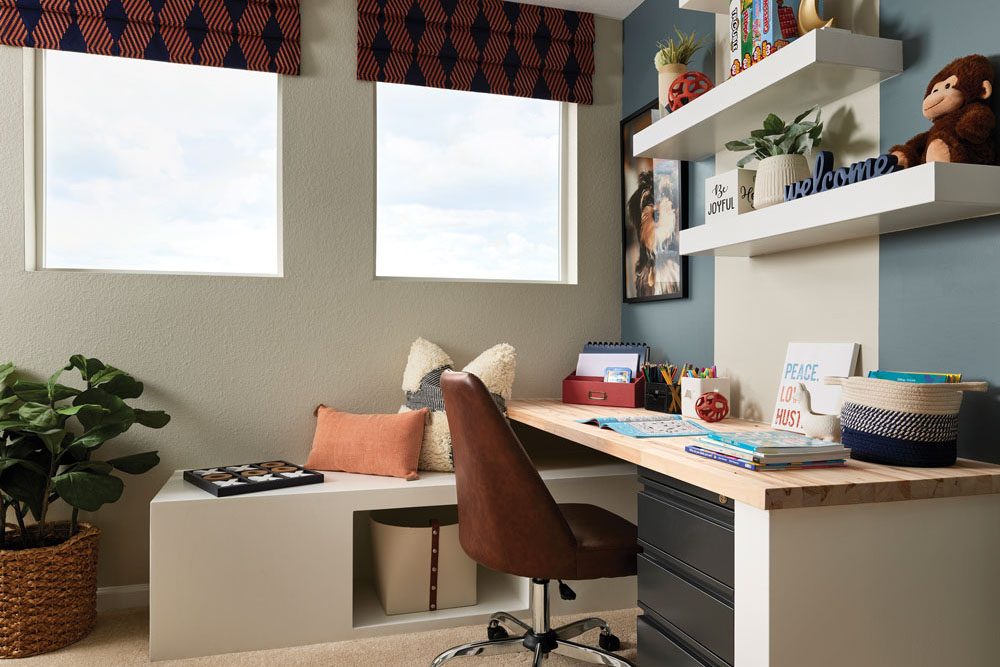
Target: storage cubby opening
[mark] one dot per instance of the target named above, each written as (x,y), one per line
(495,590)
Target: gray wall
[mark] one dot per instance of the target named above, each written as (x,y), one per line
(682,330)
(241,362)
(939,301)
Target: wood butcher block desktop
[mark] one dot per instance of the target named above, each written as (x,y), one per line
(866,565)
(858,482)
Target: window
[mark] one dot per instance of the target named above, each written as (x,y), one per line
(471,186)
(150,166)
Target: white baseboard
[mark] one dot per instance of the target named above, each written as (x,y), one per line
(110,598)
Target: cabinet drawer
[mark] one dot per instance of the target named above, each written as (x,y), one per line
(690,529)
(661,644)
(658,650)
(676,594)
(647,475)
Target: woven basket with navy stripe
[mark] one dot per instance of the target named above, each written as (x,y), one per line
(901,423)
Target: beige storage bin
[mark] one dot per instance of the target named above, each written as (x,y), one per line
(402,542)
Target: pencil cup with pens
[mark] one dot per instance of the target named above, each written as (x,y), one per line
(662,391)
(695,382)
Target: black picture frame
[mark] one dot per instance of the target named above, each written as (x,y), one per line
(641,285)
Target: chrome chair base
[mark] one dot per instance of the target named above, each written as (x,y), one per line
(541,639)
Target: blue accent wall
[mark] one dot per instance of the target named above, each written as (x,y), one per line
(681,330)
(939,287)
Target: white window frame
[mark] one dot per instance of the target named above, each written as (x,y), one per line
(34,180)
(568,208)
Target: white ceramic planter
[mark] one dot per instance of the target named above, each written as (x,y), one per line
(667,75)
(773,174)
(693,388)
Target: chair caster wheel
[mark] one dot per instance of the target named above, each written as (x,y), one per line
(609,642)
(496,631)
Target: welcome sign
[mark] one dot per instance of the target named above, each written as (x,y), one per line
(825,178)
(809,363)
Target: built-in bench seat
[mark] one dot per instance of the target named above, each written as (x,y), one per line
(292,567)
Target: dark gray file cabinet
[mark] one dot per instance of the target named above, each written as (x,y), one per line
(686,575)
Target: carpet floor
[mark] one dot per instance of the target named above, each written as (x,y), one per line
(121,639)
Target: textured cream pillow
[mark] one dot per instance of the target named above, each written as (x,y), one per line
(422,384)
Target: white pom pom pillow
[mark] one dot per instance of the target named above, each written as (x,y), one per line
(422,384)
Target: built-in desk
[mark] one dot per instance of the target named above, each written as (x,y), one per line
(867,565)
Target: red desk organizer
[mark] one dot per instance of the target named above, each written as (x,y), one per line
(595,391)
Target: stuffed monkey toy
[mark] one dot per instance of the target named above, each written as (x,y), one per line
(956,102)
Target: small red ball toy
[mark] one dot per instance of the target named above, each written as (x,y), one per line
(686,87)
(712,407)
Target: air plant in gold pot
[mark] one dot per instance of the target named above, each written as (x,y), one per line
(673,57)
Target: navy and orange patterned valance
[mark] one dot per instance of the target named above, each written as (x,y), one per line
(260,35)
(488,46)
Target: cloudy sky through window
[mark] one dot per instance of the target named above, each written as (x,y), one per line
(155,166)
(468,185)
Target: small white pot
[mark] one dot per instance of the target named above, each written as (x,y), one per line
(668,74)
(773,174)
(693,388)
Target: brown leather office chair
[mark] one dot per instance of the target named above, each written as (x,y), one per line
(508,521)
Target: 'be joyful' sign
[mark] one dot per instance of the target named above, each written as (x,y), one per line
(827,179)
(729,195)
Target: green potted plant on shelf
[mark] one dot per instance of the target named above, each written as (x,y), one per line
(49,436)
(672,59)
(781,150)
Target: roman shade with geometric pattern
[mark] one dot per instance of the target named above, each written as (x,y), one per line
(259,35)
(488,46)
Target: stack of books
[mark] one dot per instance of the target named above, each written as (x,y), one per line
(770,450)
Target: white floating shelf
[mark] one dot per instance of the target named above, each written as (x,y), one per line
(710,6)
(922,196)
(822,67)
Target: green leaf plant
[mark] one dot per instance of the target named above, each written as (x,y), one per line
(49,434)
(775,138)
(680,52)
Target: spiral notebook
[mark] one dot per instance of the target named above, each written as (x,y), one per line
(594,364)
(640,349)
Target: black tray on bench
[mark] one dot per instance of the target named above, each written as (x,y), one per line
(226,481)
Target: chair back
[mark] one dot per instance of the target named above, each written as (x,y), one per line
(508,520)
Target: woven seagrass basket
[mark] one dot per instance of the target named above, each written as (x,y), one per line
(48,595)
(901,423)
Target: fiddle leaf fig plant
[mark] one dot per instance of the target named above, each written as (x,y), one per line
(776,138)
(49,436)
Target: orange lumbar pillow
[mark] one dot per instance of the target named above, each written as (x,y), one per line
(368,444)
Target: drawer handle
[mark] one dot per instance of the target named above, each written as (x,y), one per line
(597,395)
(722,499)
